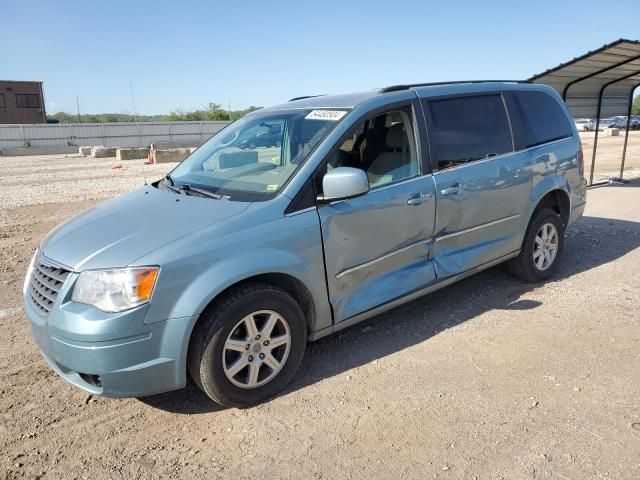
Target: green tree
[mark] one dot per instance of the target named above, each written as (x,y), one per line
(635,108)
(212,111)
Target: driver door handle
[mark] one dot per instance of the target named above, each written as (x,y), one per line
(452,190)
(419,199)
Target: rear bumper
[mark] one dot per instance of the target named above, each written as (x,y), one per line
(578,202)
(576,212)
(151,361)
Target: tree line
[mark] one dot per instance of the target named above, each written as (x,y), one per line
(213,111)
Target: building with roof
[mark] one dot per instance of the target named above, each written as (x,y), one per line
(22,102)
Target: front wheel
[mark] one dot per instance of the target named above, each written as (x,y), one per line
(541,247)
(248,346)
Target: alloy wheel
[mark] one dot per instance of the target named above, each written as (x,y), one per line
(256,349)
(545,247)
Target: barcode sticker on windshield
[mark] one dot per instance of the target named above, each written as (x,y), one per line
(331,115)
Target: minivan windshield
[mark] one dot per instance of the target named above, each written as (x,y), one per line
(251,159)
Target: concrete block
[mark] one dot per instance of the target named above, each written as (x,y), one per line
(20,152)
(103,152)
(132,153)
(85,151)
(167,145)
(613,132)
(169,155)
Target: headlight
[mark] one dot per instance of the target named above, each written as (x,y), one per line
(115,290)
(27,279)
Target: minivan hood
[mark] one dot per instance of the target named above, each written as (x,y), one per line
(119,231)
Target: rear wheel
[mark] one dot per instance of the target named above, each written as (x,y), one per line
(541,247)
(247,348)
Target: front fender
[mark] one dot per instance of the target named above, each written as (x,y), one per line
(197,269)
(222,275)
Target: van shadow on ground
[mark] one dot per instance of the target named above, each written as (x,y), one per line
(591,242)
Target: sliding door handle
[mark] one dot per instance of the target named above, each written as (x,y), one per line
(452,190)
(419,199)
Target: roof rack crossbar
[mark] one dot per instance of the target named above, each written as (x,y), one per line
(395,88)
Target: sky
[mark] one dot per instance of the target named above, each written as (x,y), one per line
(185,54)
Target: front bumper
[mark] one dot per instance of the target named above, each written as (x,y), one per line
(115,355)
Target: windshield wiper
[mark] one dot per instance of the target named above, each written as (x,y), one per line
(188,188)
(169,184)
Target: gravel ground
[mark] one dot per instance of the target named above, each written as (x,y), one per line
(609,155)
(486,379)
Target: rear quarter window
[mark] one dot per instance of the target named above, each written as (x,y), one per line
(536,118)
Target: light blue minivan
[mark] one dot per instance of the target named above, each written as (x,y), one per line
(297,221)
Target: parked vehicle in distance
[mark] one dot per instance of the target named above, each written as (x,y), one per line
(606,123)
(225,268)
(621,123)
(268,134)
(582,124)
(618,122)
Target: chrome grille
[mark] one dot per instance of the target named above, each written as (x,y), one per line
(45,284)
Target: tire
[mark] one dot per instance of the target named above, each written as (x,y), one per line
(278,144)
(531,270)
(252,145)
(211,361)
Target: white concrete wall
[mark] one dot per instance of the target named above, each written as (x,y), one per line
(140,134)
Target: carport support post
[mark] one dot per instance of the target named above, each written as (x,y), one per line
(626,135)
(595,139)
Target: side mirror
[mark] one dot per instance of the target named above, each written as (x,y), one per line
(343,182)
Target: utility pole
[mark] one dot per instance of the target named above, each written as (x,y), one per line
(229,109)
(78,107)
(133,103)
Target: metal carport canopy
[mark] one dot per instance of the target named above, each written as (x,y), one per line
(598,84)
(613,70)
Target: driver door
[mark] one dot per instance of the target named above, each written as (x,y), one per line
(377,245)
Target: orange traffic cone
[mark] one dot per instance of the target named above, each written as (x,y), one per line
(149,158)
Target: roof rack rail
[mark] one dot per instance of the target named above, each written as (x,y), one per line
(303,97)
(395,88)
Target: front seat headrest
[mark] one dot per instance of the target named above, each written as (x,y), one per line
(396,136)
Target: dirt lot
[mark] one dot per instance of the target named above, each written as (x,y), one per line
(609,155)
(487,379)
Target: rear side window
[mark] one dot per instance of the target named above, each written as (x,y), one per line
(466,129)
(537,118)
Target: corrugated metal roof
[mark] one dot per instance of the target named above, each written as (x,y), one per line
(605,76)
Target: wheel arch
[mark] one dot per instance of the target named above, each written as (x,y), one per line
(289,283)
(557,200)
(552,192)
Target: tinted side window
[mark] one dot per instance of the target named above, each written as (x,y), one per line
(537,118)
(465,129)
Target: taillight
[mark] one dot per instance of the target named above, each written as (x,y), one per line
(581,161)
